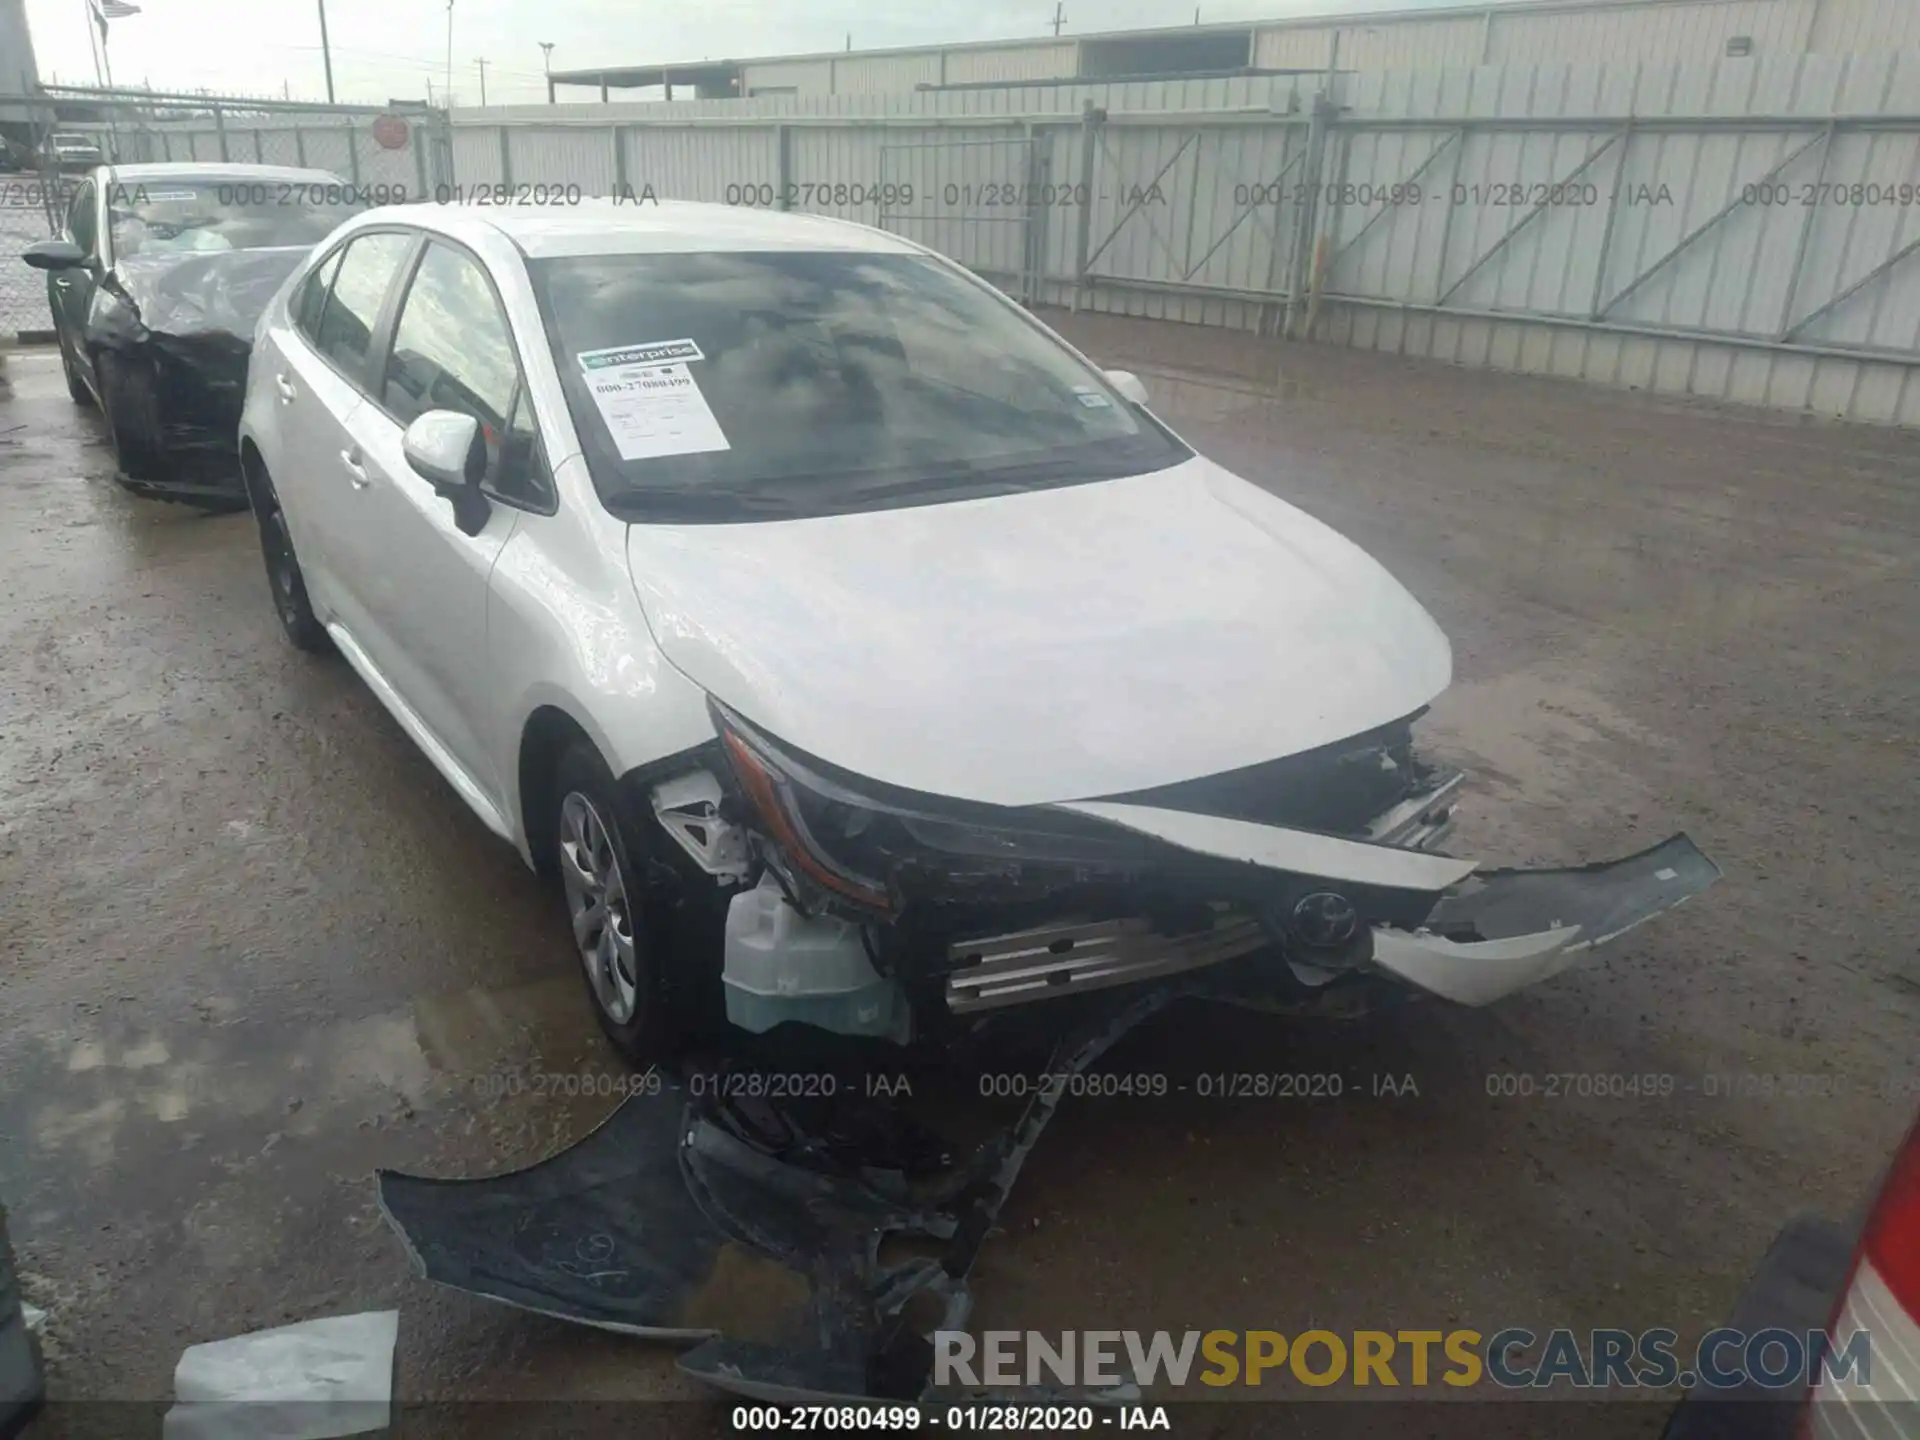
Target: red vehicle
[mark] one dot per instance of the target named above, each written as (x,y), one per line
(1839,1278)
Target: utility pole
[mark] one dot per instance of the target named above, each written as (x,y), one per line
(326,50)
(449,53)
(1059,17)
(546,64)
(482,63)
(93,41)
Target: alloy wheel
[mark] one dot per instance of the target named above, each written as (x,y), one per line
(597,905)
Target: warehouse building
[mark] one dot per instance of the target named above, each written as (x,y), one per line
(1528,32)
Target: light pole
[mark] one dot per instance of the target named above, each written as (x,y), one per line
(481,62)
(546,64)
(449,54)
(326,50)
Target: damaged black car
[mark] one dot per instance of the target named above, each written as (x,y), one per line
(155,284)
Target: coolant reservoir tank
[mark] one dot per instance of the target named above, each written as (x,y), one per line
(782,966)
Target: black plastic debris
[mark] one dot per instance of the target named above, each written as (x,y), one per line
(674,1212)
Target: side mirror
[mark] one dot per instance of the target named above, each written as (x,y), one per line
(444,449)
(55,255)
(1128,384)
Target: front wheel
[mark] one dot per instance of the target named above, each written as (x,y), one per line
(133,420)
(614,927)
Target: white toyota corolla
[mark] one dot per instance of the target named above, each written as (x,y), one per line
(851,646)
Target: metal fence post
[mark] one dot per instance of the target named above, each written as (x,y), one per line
(620,186)
(442,157)
(782,164)
(506,158)
(299,146)
(1090,118)
(1307,216)
(220,129)
(353,155)
(421,138)
(1613,221)
(1032,213)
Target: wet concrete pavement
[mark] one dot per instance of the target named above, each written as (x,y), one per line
(252,948)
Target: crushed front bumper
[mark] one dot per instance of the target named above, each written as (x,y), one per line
(1484,935)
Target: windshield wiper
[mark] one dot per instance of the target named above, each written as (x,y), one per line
(704,502)
(974,477)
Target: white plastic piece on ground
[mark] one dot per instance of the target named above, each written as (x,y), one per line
(36,1318)
(782,966)
(310,1381)
(1476,972)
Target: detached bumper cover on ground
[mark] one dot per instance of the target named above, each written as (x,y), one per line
(673,1219)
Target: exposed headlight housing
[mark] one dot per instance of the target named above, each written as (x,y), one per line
(867,848)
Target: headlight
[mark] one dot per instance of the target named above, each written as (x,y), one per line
(856,845)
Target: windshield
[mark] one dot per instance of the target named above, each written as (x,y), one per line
(167,217)
(731,386)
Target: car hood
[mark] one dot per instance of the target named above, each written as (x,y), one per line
(1062,644)
(207,292)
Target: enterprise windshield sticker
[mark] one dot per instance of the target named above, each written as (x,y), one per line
(650,401)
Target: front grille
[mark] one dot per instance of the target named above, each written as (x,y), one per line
(1071,957)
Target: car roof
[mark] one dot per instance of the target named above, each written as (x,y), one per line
(211,170)
(608,227)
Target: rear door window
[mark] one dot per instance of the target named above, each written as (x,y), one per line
(359,289)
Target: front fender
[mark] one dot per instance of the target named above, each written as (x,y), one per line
(565,632)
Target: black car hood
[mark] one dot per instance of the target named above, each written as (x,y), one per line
(212,292)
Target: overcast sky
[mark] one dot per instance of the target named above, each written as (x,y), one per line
(392,48)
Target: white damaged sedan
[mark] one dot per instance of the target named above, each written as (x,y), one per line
(854,649)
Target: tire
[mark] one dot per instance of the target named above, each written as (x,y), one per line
(621,955)
(133,420)
(76,387)
(284,580)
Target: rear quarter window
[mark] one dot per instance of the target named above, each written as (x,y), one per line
(366,273)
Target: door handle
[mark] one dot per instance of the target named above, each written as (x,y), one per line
(287,392)
(356,471)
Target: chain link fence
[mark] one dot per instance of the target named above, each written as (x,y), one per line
(30,203)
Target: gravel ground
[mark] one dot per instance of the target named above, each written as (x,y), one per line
(252,947)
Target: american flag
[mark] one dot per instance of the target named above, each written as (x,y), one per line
(114,9)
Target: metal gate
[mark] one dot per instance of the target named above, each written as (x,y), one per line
(1205,207)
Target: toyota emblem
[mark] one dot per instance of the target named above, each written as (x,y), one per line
(1325,920)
